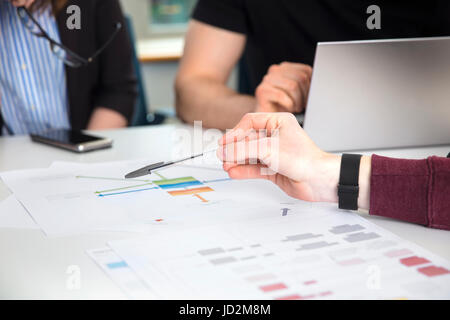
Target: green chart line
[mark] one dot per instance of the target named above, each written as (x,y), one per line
(160,175)
(114,179)
(123,188)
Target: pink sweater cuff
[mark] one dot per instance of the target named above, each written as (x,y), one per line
(416,191)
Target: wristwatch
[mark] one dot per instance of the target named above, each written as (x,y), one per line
(348,188)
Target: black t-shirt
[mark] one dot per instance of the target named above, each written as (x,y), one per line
(289,30)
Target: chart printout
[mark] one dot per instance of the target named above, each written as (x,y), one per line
(308,253)
(75,198)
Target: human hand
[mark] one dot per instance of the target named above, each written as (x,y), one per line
(22,3)
(285,88)
(285,155)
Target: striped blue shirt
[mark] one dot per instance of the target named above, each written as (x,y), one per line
(33,91)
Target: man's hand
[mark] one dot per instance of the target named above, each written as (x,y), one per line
(22,3)
(285,88)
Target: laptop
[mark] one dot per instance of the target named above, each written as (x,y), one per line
(380,94)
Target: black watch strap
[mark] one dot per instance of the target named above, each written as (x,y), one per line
(348,189)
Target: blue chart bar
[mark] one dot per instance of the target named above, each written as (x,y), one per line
(180,185)
(116,265)
(217,180)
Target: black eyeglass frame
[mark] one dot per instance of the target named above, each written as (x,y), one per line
(79,60)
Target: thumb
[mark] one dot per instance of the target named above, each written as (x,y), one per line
(254,171)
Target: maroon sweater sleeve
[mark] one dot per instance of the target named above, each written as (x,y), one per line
(416,191)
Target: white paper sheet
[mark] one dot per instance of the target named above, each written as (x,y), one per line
(299,253)
(121,273)
(74,198)
(13,215)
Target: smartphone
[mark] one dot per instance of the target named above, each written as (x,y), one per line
(71,140)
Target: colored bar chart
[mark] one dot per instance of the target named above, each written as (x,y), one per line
(184,186)
(177,183)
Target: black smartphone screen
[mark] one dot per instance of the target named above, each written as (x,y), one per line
(72,140)
(69,137)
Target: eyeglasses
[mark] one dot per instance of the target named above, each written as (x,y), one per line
(63,53)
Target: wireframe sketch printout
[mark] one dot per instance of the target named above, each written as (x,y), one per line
(299,253)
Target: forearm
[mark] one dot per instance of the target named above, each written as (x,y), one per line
(327,180)
(415,191)
(103,118)
(212,102)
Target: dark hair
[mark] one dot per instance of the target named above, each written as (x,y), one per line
(56,5)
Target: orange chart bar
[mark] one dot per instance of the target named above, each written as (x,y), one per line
(200,197)
(190,191)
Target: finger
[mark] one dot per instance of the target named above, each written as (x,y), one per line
(249,152)
(227,166)
(251,122)
(295,68)
(247,172)
(302,74)
(291,86)
(267,92)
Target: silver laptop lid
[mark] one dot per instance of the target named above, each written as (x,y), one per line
(380,94)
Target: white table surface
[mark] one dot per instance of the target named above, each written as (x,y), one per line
(33,266)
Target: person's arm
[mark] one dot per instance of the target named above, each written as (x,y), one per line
(411,190)
(22,3)
(115,98)
(417,191)
(104,118)
(209,57)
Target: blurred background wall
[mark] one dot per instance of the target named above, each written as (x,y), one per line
(160,26)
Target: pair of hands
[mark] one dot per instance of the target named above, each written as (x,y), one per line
(22,3)
(285,88)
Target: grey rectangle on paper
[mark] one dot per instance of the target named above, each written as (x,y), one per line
(346,228)
(208,252)
(361,236)
(235,249)
(248,258)
(223,260)
(316,245)
(302,236)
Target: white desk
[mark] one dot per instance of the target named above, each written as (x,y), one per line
(33,266)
